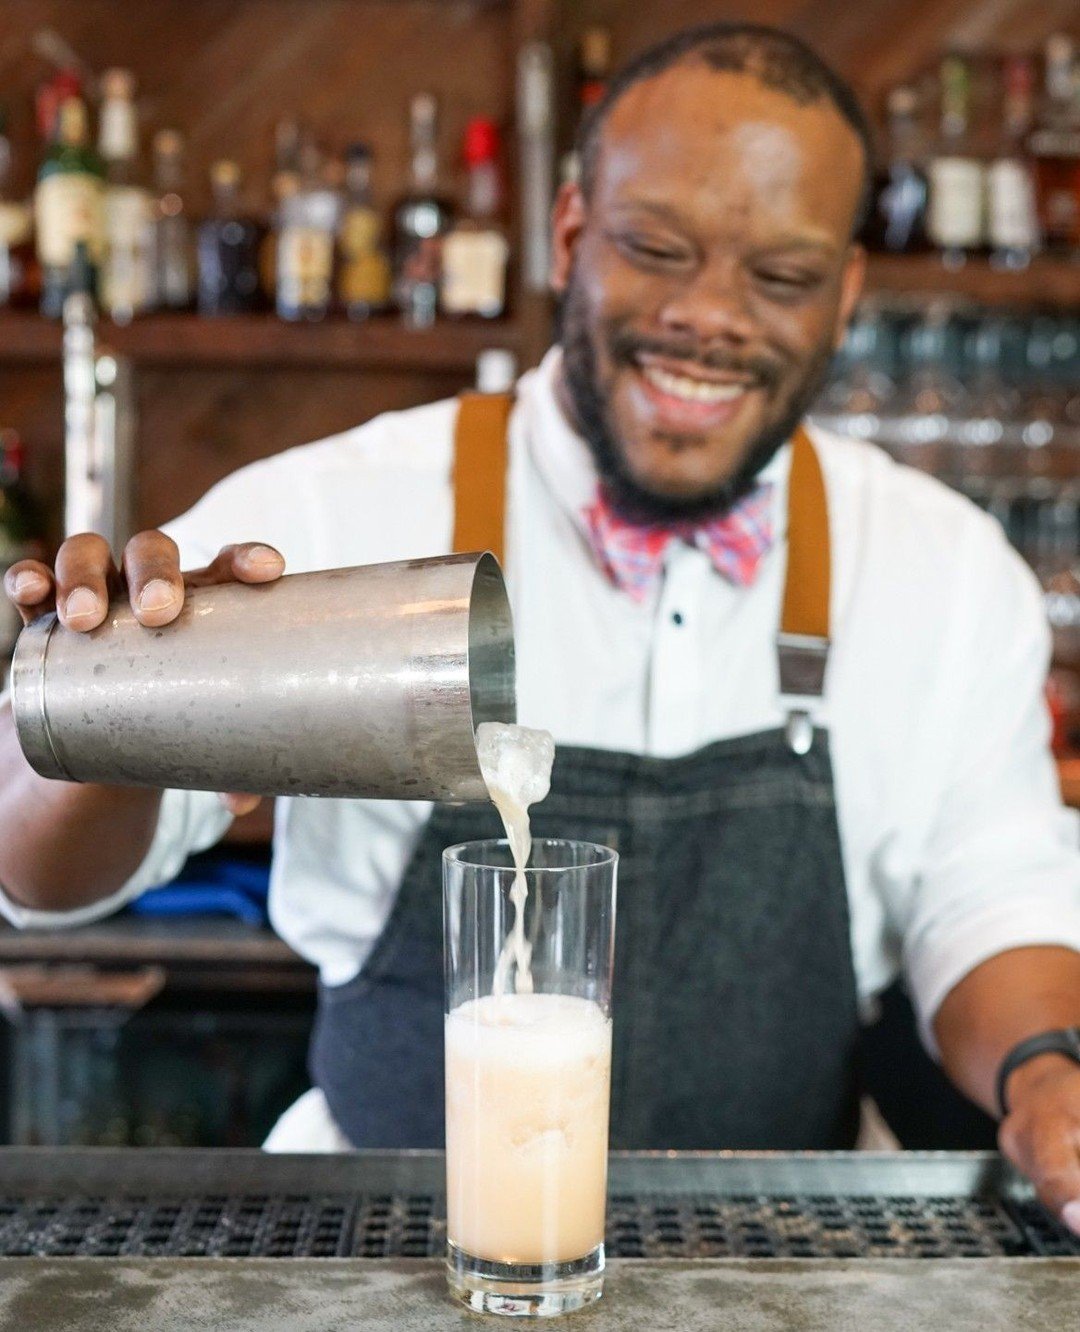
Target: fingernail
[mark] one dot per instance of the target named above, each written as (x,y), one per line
(156,595)
(81,604)
(263,555)
(27,583)
(1070,1214)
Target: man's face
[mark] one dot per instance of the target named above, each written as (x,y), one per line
(706,282)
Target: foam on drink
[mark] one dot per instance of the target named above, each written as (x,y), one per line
(516,763)
(527,1087)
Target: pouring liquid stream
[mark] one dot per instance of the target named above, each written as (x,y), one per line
(516,764)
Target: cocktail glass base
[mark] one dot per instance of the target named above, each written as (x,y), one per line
(524,1290)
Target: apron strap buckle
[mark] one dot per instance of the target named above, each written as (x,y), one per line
(802,660)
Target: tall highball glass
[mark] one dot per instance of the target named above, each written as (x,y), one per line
(528,1077)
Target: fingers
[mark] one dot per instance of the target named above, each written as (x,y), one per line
(85,574)
(238,804)
(1047,1149)
(155,583)
(30,587)
(248,562)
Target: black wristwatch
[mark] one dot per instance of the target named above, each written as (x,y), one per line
(1065,1042)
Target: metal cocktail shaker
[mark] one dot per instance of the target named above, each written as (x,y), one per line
(351,682)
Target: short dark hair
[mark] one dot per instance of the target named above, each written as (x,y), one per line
(776,59)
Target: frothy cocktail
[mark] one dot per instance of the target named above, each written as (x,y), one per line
(527,1092)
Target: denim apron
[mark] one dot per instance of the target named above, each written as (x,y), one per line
(735,1012)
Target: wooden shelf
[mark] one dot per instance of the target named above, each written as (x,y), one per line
(1046,281)
(254,341)
(1069,772)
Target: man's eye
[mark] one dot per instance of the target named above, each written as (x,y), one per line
(650,251)
(783,280)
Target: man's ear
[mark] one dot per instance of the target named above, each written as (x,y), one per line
(851,286)
(567,222)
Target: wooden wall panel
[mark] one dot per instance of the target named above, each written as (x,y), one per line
(225,71)
(197,426)
(874,43)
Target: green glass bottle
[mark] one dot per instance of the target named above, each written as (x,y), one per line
(68,206)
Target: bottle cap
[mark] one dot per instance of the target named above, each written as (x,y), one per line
(225,173)
(481,142)
(496,370)
(118,83)
(74,126)
(595,52)
(168,143)
(902,101)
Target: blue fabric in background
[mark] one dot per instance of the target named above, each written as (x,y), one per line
(217,883)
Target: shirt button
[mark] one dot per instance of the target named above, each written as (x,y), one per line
(676,617)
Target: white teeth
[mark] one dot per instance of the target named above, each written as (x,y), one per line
(693,390)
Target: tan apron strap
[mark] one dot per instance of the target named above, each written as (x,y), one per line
(803,642)
(809,567)
(480,472)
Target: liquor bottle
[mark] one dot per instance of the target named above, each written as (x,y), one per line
(897,221)
(19,272)
(308,224)
(364,277)
(127,279)
(284,183)
(22,532)
(174,277)
(50,96)
(957,177)
(1012,221)
(592,71)
(421,220)
(1055,148)
(69,206)
(475,251)
(228,249)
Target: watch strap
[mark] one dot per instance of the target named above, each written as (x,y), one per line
(1064,1041)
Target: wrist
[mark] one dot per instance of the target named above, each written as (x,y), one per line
(1034,1074)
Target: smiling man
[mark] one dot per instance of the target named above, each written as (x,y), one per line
(798,686)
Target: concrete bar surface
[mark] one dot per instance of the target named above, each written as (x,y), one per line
(339,1295)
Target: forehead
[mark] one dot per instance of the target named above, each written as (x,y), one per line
(724,144)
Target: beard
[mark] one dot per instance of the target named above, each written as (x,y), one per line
(593,416)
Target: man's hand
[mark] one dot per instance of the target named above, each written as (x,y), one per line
(1004,1000)
(1041,1134)
(86,578)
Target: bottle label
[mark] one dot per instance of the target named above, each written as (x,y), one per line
(16,224)
(360,228)
(128,282)
(1012,220)
(955,218)
(474,273)
(364,277)
(69,207)
(305,265)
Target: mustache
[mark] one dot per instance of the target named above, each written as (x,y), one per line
(626,346)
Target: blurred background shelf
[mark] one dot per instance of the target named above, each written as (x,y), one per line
(1047,281)
(263,340)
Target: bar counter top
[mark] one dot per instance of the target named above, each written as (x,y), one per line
(73,1264)
(402,1295)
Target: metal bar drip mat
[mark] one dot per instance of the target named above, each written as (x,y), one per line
(383,1205)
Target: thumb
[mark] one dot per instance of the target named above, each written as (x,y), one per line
(238,804)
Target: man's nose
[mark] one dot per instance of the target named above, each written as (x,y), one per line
(710,306)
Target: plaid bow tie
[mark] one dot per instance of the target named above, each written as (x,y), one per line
(632,555)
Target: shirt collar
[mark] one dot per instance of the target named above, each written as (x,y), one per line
(565,464)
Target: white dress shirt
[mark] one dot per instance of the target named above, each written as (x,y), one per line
(954,839)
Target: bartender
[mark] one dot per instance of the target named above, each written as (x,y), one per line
(798,686)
